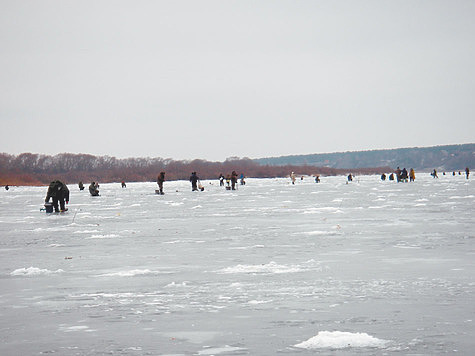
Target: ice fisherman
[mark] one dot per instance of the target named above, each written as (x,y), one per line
(93,189)
(350,177)
(467,172)
(7,187)
(317,178)
(434,174)
(412,175)
(81,186)
(194,181)
(160,180)
(383,176)
(292,177)
(243,182)
(123,184)
(221,180)
(234,179)
(398,174)
(59,192)
(404,175)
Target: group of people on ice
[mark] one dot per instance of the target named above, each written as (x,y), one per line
(58,192)
(93,188)
(293,178)
(231,180)
(467,173)
(401,175)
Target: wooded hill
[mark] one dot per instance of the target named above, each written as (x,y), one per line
(39,169)
(442,158)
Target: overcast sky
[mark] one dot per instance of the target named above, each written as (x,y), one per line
(215,79)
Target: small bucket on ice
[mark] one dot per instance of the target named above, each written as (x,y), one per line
(49,207)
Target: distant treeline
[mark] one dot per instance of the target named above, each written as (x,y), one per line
(448,157)
(39,169)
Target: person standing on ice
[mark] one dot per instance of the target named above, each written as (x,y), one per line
(194,181)
(59,192)
(160,180)
(398,174)
(221,180)
(403,175)
(350,177)
(292,177)
(467,172)
(412,175)
(234,179)
(434,174)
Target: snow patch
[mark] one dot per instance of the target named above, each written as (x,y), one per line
(107,236)
(268,268)
(68,329)
(341,340)
(220,350)
(321,233)
(33,271)
(130,273)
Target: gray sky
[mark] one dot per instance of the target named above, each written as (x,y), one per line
(214,79)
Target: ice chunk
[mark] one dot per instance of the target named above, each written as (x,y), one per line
(341,340)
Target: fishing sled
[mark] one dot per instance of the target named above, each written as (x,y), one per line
(50,209)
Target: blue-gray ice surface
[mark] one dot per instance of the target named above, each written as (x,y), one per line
(369,267)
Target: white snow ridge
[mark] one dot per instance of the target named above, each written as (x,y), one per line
(33,271)
(341,340)
(269,268)
(129,273)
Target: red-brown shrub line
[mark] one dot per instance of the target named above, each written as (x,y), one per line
(38,169)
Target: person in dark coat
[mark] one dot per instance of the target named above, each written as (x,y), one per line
(234,179)
(93,189)
(221,180)
(160,180)
(467,172)
(403,175)
(123,184)
(59,192)
(194,181)
(81,186)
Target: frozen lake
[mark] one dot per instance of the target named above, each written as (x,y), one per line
(369,267)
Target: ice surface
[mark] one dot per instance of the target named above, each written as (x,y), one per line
(369,267)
